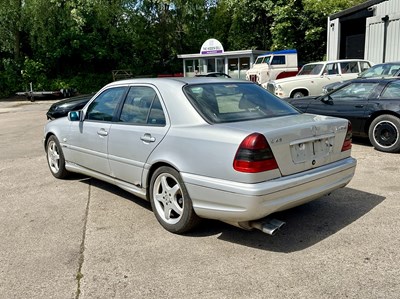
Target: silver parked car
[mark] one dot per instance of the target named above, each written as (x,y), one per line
(203,148)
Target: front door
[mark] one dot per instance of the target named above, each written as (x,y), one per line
(88,139)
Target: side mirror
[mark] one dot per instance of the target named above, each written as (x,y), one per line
(75,115)
(327,99)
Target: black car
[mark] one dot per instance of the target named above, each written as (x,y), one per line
(389,69)
(61,108)
(371,105)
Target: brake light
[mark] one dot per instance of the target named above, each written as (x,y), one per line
(347,141)
(254,155)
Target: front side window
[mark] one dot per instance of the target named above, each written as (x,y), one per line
(142,107)
(220,102)
(354,90)
(104,106)
(331,69)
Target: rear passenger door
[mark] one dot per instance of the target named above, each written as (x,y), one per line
(140,127)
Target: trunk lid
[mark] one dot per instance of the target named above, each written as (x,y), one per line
(300,142)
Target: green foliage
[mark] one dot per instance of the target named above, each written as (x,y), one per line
(76,43)
(33,71)
(9,77)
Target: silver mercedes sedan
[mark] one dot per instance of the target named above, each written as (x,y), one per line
(197,148)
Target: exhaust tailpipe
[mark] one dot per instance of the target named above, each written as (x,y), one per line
(269,227)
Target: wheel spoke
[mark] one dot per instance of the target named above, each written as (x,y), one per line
(160,198)
(168,198)
(176,207)
(164,184)
(174,190)
(167,212)
(53,157)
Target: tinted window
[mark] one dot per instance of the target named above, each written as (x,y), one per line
(104,106)
(392,90)
(142,106)
(219,103)
(354,90)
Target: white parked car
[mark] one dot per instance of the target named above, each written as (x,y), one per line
(314,76)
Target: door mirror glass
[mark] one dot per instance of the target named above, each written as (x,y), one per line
(74,115)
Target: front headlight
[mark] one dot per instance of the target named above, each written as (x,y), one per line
(278,87)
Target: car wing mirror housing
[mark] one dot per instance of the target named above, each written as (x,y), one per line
(75,115)
(327,99)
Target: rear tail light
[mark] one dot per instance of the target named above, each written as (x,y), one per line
(254,155)
(347,141)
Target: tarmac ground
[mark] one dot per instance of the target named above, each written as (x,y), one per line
(83,238)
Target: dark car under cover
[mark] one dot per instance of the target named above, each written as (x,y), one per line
(62,107)
(371,105)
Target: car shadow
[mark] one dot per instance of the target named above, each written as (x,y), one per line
(309,224)
(306,225)
(361,141)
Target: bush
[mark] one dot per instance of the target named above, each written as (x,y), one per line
(10,78)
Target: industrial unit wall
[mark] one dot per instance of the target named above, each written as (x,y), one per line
(369,31)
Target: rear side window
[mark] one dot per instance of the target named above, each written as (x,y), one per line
(220,102)
(392,91)
(142,106)
(276,60)
(349,67)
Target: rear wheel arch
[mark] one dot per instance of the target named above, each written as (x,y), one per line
(170,200)
(150,174)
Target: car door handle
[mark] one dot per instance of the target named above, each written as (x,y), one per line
(147,138)
(102,132)
(359,106)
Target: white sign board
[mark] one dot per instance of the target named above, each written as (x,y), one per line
(211,46)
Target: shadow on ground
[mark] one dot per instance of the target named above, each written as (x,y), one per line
(306,225)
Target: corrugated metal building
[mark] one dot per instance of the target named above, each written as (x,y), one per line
(369,31)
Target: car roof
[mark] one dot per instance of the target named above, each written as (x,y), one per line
(339,60)
(375,80)
(177,80)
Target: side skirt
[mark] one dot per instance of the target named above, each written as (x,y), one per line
(135,190)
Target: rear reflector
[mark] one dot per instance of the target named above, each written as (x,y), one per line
(254,155)
(347,141)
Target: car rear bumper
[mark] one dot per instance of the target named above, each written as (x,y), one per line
(238,202)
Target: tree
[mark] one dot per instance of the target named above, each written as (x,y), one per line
(10,27)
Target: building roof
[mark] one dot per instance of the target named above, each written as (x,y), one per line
(226,53)
(355,9)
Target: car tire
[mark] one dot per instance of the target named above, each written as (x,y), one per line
(384,133)
(171,202)
(55,158)
(298,94)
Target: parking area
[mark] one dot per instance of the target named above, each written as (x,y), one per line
(83,238)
